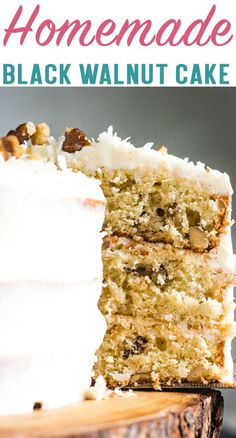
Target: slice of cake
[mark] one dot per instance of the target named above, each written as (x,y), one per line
(51,278)
(168,263)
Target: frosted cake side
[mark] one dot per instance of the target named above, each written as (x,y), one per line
(51,278)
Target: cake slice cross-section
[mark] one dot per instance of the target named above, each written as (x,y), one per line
(168,264)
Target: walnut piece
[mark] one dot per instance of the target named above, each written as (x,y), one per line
(138,347)
(174,212)
(161,343)
(37,406)
(160,212)
(10,146)
(193,217)
(177,219)
(198,238)
(75,140)
(41,135)
(23,132)
(160,277)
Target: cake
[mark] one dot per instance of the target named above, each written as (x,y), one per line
(168,263)
(51,275)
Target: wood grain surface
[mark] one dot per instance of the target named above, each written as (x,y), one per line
(148,414)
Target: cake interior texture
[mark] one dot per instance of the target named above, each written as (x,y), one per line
(158,207)
(167,265)
(167,312)
(146,350)
(162,282)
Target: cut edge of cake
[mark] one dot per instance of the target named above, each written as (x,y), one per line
(116,162)
(196,222)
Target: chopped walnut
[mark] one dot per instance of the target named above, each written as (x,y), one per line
(193,217)
(141,269)
(10,146)
(106,244)
(138,347)
(160,212)
(37,406)
(41,135)
(198,238)
(177,219)
(23,132)
(161,343)
(75,140)
(160,277)
(174,212)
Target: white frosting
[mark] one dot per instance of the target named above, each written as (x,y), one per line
(50,283)
(43,179)
(48,338)
(50,224)
(222,256)
(112,152)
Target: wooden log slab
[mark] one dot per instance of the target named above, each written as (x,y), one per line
(148,414)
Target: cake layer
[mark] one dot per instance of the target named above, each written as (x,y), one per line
(155,196)
(160,208)
(47,347)
(159,281)
(137,350)
(50,223)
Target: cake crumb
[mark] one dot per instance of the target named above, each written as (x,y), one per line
(100,391)
(96,392)
(126,394)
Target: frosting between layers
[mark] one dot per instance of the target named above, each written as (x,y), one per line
(112,152)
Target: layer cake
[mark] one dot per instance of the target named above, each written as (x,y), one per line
(168,263)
